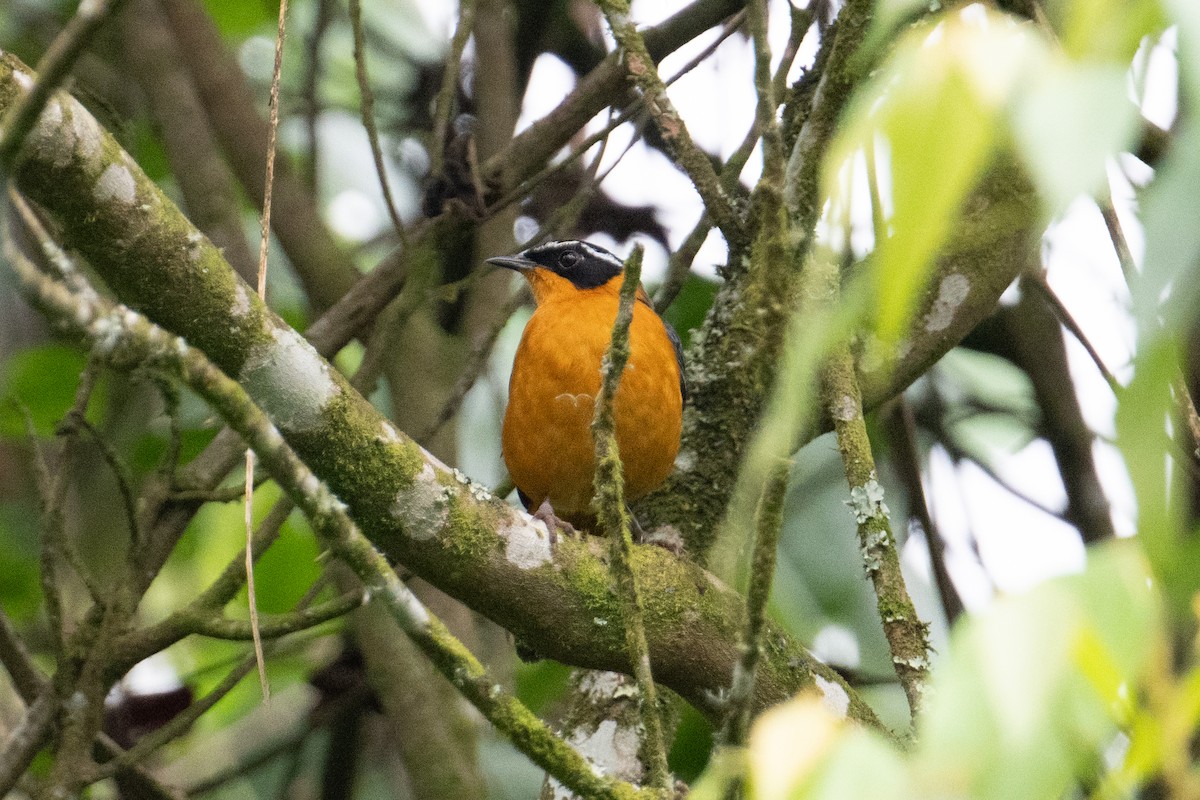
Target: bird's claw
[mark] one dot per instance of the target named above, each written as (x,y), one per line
(554,524)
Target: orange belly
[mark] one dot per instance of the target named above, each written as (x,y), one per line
(547,439)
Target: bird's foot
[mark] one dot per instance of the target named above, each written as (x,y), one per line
(666,536)
(554,524)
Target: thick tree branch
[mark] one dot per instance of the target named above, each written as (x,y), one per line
(431,519)
(129,339)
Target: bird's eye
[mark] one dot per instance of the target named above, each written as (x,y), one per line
(568,260)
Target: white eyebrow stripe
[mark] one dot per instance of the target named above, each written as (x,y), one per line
(603,255)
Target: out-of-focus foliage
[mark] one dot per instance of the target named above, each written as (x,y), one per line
(1070,685)
(1086,684)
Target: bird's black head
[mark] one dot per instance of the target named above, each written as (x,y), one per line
(583,264)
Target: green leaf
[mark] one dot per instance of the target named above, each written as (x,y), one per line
(691,306)
(1104,30)
(286,571)
(1163,296)
(843,776)
(44,379)
(1143,411)
(20,584)
(239,18)
(1031,680)
(932,115)
(1069,122)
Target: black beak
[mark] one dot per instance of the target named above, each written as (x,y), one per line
(517,262)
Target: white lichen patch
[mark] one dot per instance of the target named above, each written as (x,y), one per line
(289,380)
(52,139)
(600,685)
(952,291)
(867,501)
(916,662)
(23,79)
(107,331)
(413,608)
(389,435)
(610,749)
(526,543)
(116,184)
(241,301)
(844,408)
(89,139)
(685,460)
(424,506)
(833,696)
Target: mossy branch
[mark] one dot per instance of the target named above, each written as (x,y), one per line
(128,339)
(614,520)
(19,119)
(907,635)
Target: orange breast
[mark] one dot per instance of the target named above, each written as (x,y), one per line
(547,436)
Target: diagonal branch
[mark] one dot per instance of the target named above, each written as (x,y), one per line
(433,520)
(643,72)
(127,338)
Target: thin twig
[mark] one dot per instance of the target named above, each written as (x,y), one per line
(447,94)
(277,625)
(525,187)
(311,88)
(367,105)
(14,655)
(1038,282)
(902,435)
(764,85)
(264,241)
(26,740)
(614,521)
(768,523)
(120,474)
(688,155)
(907,635)
(179,724)
(679,265)
(51,71)
(1120,244)
(477,361)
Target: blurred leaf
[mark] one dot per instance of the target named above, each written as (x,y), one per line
(1018,686)
(964,375)
(239,18)
(931,114)
(787,743)
(20,584)
(1069,122)
(693,744)
(1143,410)
(541,683)
(890,15)
(691,306)
(1105,30)
(843,776)
(1162,294)
(1187,52)
(44,380)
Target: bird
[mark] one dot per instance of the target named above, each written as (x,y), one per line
(546,440)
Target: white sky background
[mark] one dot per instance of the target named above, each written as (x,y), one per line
(1018,544)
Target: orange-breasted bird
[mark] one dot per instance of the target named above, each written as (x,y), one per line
(547,438)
